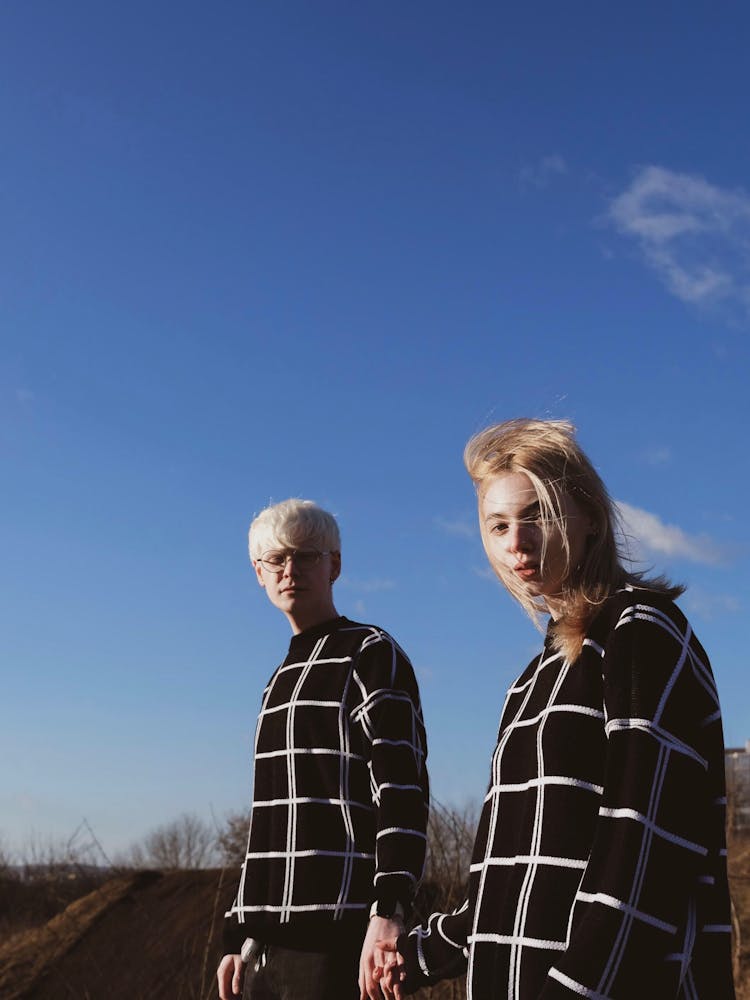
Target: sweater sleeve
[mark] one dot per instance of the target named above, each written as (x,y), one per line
(638,906)
(436,950)
(389,713)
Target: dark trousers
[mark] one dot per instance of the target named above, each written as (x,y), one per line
(288,974)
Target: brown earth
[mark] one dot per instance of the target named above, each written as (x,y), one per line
(739,881)
(158,936)
(143,935)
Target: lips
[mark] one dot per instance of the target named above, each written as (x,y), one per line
(526,571)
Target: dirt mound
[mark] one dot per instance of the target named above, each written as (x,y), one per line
(154,936)
(142,935)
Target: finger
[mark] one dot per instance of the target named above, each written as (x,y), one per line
(396,974)
(364,984)
(237,980)
(223,985)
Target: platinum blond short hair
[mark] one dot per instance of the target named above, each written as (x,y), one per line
(293,524)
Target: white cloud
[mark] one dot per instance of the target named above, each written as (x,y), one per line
(693,234)
(460,527)
(370,586)
(645,532)
(540,174)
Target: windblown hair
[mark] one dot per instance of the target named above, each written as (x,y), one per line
(547,452)
(293,524)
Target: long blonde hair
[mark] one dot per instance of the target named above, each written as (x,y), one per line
(547,452)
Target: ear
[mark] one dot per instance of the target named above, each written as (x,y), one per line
(259,572)
(335,566)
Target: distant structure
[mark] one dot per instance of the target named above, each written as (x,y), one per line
(737,763)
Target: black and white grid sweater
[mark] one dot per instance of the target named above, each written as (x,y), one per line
(599,867)
(340,796)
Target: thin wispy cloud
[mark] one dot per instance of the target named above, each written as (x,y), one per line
(371,586)
(424,673)
(485,573)
(646,533)
(658,455)
(709,606)
(459,527)
(693,234)
(540,174)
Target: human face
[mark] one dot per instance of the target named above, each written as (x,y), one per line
(302,593)
(513,536)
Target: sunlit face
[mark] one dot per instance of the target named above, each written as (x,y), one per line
(301,592)
(510,522)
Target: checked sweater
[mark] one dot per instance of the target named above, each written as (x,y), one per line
(340,796)
(599,867)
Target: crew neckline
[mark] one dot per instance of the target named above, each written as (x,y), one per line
(315,631)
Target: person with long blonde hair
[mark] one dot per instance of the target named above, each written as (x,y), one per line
(599,866)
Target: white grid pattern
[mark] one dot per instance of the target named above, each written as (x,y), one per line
(599,868)
(340,791)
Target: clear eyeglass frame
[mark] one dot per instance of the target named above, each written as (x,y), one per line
(275,560)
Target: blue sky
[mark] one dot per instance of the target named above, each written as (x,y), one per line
(250,251)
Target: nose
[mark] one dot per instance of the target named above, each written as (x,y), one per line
(290,564)
(520,537)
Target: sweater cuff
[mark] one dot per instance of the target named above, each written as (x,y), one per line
(412,977)
(392,891)
(232,936)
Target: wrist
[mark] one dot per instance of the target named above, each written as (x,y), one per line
(387,910)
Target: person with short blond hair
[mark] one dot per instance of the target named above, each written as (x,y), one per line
(337,834)
(599,865)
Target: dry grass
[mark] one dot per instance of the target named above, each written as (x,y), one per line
(739,884)
(27,957)
(157,936)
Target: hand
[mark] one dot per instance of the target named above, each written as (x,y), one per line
(390,973)
(376,960)
(230,974)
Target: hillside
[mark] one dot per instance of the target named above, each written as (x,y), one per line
(154,936)
(138,936)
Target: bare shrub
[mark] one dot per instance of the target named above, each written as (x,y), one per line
(185,842)
(50,873)
(6,859)
(46,855)
(231,840)
(450,840)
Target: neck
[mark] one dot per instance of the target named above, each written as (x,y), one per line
(555,606)
(302,622)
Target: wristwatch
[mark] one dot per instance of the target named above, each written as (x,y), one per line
(389,912)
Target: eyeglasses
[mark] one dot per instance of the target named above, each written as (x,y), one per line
(275,561)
